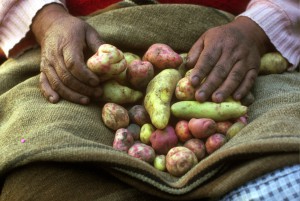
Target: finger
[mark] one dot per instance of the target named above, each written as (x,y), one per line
(217,76)
(234,79)
(246,85)
(207,60)
(46,89)
(194,53)
(62,90)
(71,82)
(93,40)
(74,62)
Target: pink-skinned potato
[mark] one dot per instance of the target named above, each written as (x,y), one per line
(139,115)
(214,142)
(182,131)
(223,126)
(179,160)
(184,90)
(143,152)
(202,127)
(162,140)
(197,146)
(115,116)
(123,140)
(107,61)
(162,56)
(139,73)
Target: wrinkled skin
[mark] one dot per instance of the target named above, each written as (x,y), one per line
(229,57)
(64,41)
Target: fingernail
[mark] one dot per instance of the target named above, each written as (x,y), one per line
(219,97)
(84,100)
(51,99)
(237,96)
(202,95)
(195,80)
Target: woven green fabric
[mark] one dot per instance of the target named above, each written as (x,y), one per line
(67,132)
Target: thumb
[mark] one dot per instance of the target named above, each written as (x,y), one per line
(93,39)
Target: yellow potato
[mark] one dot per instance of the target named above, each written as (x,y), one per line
(158,96)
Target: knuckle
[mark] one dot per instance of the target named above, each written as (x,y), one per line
(66,79)
(55,84)
(221,71)
(236,76)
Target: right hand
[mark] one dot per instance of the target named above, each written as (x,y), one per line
(64,40)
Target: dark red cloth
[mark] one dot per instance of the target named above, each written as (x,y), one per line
(85,7)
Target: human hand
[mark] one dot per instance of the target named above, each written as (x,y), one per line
(64,40)
(228,57)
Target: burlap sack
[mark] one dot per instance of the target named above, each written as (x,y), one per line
(67,132)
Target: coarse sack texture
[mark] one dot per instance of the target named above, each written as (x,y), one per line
(68,151)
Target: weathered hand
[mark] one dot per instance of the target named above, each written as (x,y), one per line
(228,57)
(64,40)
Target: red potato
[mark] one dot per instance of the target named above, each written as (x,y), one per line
(139,115)
(202,127)
(182,131)
(162,56)
(115,116)
(107,61)
(135,130)
(197,146)
(185,90)
(142,151)
(214,142)
(223,126)
(180,160)
(139,73)
(123,140)
(162,140)
(243,119)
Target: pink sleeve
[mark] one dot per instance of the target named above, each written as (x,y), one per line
(280,19)
(15,20)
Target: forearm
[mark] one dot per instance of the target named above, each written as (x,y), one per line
(280,21)
(16,19)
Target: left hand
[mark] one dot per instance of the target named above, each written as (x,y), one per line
(228,57)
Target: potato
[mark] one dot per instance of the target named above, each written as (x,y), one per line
(184,90)
(162,56)
(160,162)
(130,57)
(234,129)
(107,61)
(162,140)
(139,73)
(182,131)
(216,111)
(223,126)
(197,146)
(158,96)
(179,160)
(115,116)
(123,140)
(272,63)
(146,132)
(139,115)
(202,127)
(135,130)
(142,151)
(116,93)
(214,142)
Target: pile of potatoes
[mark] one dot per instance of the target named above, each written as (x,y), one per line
(149,103)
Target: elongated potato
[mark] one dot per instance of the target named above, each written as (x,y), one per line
(216,111)
(116,93)
(158,96)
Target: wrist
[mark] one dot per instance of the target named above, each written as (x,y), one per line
(253,31)
(45,18)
